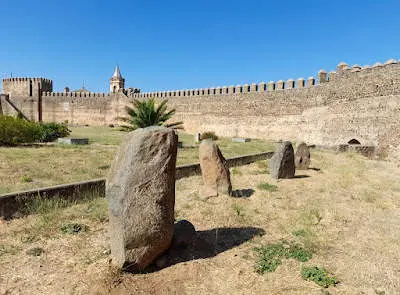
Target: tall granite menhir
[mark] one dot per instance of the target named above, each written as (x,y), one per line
(350,103)
(141,197)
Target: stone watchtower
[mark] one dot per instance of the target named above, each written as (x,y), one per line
(117,83)
(26,87)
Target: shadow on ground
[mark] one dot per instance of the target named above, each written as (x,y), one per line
(209,243)
(300,176)
(243,193)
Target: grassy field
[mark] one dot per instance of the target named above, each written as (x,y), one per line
(344,215)
(24,168)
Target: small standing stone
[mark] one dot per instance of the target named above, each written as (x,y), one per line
(282,162)
(141,197)
(215,171)
(197,137)
(302,157)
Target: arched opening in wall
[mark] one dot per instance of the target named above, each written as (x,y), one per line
(30,88)
(354,141)
(115,89)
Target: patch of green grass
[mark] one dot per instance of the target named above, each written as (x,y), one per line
(267,187)
(26,179)
(299,253)
(99,134)
(270,256)
(41,205)
(74,228)
(299,233)
(236,171)
(36,251)
(320,276)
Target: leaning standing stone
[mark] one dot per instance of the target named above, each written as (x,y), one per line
(282,162)
(141,197)
(302,157)
(215,171)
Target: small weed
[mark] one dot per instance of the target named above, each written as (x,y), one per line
(104,167)
(74,228)
(236,171)
(320,276)
(37,251)
(30,238)
(26,179)
(270,256)
(299,233)
(267,187)
(238,209)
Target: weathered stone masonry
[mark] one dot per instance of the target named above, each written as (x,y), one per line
(361,103)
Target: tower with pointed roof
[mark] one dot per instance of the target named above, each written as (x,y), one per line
(117,83)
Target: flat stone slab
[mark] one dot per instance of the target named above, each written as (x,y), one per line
(238,139)
(73,140)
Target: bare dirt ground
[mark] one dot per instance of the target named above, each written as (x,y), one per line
(347,210)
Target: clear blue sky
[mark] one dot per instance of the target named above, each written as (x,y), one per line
(162,45)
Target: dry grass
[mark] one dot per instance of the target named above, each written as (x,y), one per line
(348,213)
(24,168)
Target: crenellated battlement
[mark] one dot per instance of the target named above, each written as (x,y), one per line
(75,94)
(44,80)
(24,86)
(280,85)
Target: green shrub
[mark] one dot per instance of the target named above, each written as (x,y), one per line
(320,276)
(208,135)
(52,131)
(15,131)
(270,256)
(267,187)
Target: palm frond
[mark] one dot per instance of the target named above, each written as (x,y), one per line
(144,113)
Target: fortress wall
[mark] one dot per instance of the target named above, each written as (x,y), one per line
(79,108)
(27,105)
(361,103)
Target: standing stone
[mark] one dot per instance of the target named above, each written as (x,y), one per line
(282,162)
(215,171)
(141,197)
(302,157)
(197,137)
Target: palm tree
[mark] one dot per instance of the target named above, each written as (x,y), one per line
(146,113)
